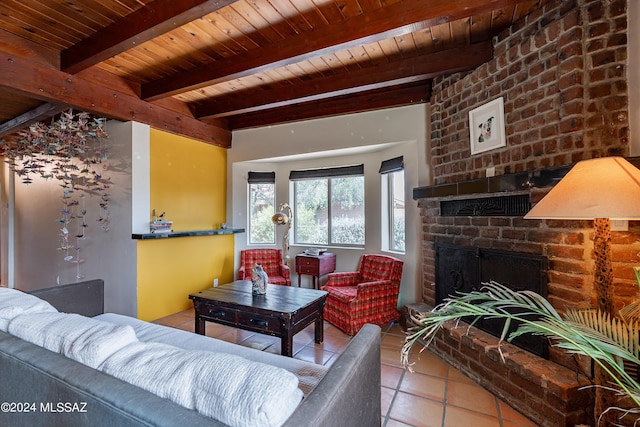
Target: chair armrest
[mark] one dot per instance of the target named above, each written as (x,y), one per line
(346,278)
(285,271)
(241,273)
(376,289)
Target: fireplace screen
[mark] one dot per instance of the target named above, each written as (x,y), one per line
(464,269)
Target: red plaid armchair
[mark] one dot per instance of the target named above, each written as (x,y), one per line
(271,262)
(369,295)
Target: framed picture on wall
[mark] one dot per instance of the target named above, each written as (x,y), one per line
(486,126)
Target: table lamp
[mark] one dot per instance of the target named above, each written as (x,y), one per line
(598,189)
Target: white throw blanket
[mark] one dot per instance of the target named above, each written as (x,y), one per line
(233,390)
(83,339)
(309,374)
(14,303)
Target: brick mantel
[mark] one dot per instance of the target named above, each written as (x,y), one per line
(495,184)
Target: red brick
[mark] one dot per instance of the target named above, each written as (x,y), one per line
(513,234)
(569,80)
(571,64)
(569,37)
(553,30)
(547,236)
(571,93)
(570,125)
(618,8)
(570,50)
(595,45)
(573,107)
(569,266)
(599,29)
(595,11)
(602,58)
(563,251)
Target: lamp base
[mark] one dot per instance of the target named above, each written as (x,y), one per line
(603,272)
(603,286)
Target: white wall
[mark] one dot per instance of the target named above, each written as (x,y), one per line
(108,255)
(368,138)
(141,177)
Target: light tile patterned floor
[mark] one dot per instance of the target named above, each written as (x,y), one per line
(435,395)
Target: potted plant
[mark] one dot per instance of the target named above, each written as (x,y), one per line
(609,342)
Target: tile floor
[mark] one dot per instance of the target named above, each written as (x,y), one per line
(435,395)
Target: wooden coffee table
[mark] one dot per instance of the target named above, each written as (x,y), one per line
(282,312)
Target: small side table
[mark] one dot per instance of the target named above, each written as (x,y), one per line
(315,266)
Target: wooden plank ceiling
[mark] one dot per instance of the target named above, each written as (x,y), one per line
(203,68)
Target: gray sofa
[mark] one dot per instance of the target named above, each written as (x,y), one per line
(35,381)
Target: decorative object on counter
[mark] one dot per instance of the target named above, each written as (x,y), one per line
(159,225)
(223,226)
(73,149)
(284,217)
(259,280)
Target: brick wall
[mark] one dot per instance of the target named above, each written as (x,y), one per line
(562,73)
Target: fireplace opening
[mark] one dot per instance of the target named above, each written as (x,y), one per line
(464,269)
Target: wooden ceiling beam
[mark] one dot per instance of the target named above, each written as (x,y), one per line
(38,114)
(152,20)
(51,85)
(397,19)
(388,74)
(397,96)
(36,53)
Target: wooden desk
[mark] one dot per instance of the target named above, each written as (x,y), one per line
(282,312)
(315,266)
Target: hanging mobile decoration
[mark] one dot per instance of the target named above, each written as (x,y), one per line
(64,223)
(81,234)
(74,150)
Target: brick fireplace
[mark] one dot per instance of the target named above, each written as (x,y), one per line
(562,73)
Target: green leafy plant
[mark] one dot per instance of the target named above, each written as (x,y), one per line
(609,342)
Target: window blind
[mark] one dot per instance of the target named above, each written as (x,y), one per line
(262,178)
(392,165)
(355,170)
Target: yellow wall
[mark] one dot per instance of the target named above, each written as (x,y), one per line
(188,182)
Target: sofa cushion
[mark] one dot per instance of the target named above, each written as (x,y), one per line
(309,374)
(14,303)
(83,339)
(231,389)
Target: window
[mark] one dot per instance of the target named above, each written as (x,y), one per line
(393,172)
(262,186)
(329,206)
